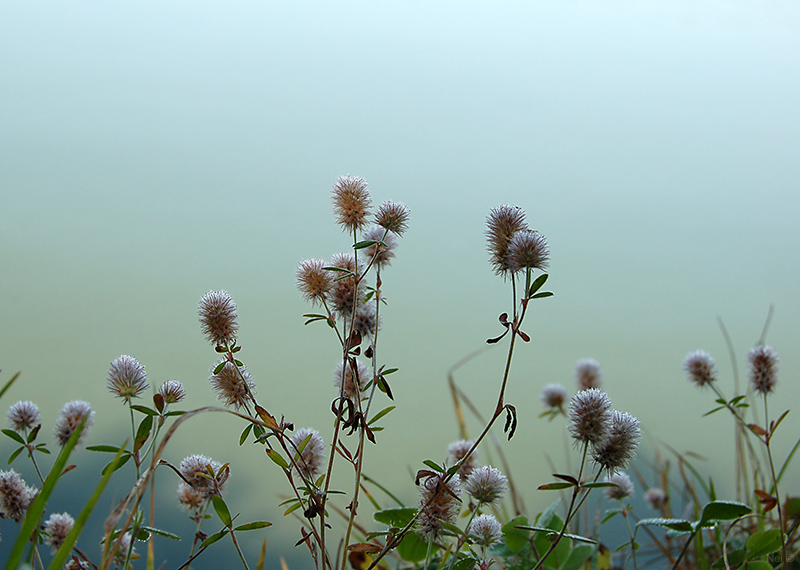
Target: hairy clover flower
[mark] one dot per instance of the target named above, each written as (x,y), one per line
(71,416)
(438,504)
(126,378)
(763,368)
(700,367)
(23,416)
(218,318)
(502,223)
(309,462)
(589,414)
(351,202)
(588,374)
(618,447)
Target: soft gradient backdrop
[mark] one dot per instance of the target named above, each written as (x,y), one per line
(152,151)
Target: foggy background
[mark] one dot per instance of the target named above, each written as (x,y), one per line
(151,151)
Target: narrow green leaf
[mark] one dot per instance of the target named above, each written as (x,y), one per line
(433,465)
(542,295)
(363,244)
(679,525)
(221,509)
(159,532)
(220,366)
(143,433)
(302,446)
(557,486)
(293,508)
(15,453)
(14,435)
(715,410)
(115,464)
(36,509)
(213,538)
(104,448)
(537,284)
(60,558)
(253,525)
(245,433)
(145,410)
(277,459)
(9,383)
(380,414)
(389,371)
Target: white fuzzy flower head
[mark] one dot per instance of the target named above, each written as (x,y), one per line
(393,216)
(71,416)
(347,291)
(172,391)
(15,495)
(313,280)
(366,321)
(57,528)
(351,202)
(700,367)
(218,318)
(438,504)
(763,369)
(589,416)
(190,498)
(619,446)
(379,254)
(623,486)
(23,416)
(588,374)
(502,223)
(655,497)
(311,459)
(486,485)
(126,378)
(232,387)
(553,396)
(204,474)
(362,372)
(486,530)
(527,250)
(456,452)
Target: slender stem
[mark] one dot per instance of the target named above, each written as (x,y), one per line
(767,440)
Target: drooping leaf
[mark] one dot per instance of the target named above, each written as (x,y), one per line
(277,458)
(722,511)
(221,509)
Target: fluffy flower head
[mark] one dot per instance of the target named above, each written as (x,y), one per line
(589,416)
(527,250)
(438,503)
(15,495)
(618,448)
(553,396)
(313,281)
(218,318)
(57,527)
(339,376)
(486,485)
(623,486)
(190,498)
(588,374)
(486,529)
(456,452)
(204,474)
(233,387)
(71,416)
(351,202)
(172,391)
(700,367)
(347,291)
(126,378)
(655,497)
(23,416)
(763,368)
(502,223)
(310,460)
(393,216)
(382,252)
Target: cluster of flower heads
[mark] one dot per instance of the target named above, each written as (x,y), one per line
(513,246)
(701,368)
(339,284)
(612,436)
(202,477)
(15,495)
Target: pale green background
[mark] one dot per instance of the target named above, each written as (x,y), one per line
(152,151)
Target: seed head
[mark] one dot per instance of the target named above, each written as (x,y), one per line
(15,495)
(588,374)
(763,368)
(218,318)
(362,372)
(486,530)
(527,250)
(310,460)
(172,391)
(351,202)
(700,367)
(58,527)
(382,252)
(348,290)
(456,451)
(588,412)
(393,216)
(230,386)
(205,475)
(23,416)
(501,225)
(438,504)
(71,415)
(618,448)
(486,485)
(126,378)
(313,281)
(125,544)
(655,497)
(553,396)
(623,486)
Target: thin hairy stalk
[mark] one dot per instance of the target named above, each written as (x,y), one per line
(136,460)
(633,539)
